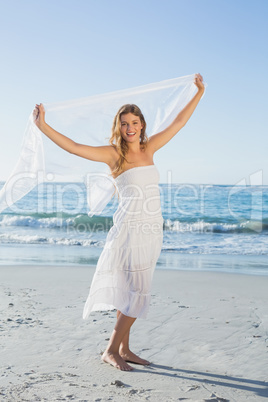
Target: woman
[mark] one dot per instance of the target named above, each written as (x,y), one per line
(124,271)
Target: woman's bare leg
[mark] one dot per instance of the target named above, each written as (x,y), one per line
(126,353)
(111,354)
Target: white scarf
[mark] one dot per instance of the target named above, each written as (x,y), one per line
(89,121)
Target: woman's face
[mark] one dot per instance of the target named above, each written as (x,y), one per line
(131,127)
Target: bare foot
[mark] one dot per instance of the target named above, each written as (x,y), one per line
(130,357)
(116,360)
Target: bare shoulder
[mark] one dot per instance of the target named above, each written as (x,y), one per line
(110,155)
(152,144)
(103,153)
(157,141)
(113,156)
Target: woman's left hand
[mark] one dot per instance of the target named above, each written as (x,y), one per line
(199,82)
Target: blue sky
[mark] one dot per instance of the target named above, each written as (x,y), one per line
(65,49)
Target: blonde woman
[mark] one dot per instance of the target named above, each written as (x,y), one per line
(123,275)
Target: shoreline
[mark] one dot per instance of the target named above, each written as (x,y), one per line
(253,265)
(206,334)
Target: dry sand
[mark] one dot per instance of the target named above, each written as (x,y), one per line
(206,336)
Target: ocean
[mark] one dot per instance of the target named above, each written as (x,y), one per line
(206,227)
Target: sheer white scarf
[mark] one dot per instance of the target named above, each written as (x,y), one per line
(89,121)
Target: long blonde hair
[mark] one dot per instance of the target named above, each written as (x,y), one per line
(116,139)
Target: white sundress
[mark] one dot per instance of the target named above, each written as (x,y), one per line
(125,268)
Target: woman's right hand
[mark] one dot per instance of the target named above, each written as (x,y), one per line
(39,115)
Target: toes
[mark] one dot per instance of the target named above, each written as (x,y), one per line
(116,361)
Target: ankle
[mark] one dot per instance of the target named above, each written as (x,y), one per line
(124,349)
(111,351)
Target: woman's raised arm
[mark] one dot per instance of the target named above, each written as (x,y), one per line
(99,154)
(158,140)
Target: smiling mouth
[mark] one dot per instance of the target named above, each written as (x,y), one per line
(131,134)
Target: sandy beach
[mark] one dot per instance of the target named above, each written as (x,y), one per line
(206,336)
